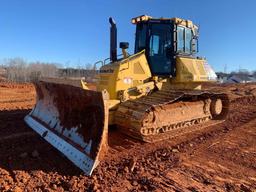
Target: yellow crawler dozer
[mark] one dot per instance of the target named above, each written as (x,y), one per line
(150,95)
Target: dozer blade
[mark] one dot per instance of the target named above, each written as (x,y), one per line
(73,120)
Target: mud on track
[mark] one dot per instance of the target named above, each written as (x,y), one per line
(219,158)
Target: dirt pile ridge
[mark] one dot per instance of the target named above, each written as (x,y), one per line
(16,96)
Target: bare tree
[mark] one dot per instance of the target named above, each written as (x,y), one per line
(20,71)
(89,66)
(16,70)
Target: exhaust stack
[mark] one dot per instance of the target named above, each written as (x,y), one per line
(113,40)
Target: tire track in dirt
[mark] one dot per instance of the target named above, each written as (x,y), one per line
(241,112)
(218,163)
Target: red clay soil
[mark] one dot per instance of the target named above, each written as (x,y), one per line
(16,96)
(220,157)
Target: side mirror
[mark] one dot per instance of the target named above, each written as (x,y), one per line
(124,45)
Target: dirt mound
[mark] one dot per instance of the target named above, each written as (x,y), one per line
(16,85)
(233,90)
(221,157)
(16,96)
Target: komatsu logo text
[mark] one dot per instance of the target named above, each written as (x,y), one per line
(106,71)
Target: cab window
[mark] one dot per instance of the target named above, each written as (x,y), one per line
(141,37)
(184,39)
(188,39)
(180,39)
(154,45)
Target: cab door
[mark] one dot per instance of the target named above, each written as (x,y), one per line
(160,49)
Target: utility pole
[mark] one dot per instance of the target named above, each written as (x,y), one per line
(225,68)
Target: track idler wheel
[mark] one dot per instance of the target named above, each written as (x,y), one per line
(219,106)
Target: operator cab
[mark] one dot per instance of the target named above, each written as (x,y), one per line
(163,40)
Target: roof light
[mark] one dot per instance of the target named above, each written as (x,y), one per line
(140,18)
(143,18)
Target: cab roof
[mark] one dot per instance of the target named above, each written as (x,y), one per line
(176,20)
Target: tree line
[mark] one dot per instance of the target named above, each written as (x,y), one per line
(240,73)
(18,70)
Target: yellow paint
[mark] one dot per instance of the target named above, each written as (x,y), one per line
(131,78)
(84,85)
(190,70)
(122,75)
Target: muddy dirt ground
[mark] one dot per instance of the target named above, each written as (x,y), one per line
(220,157)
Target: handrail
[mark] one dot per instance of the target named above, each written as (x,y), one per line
(104,62)
(95,64)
